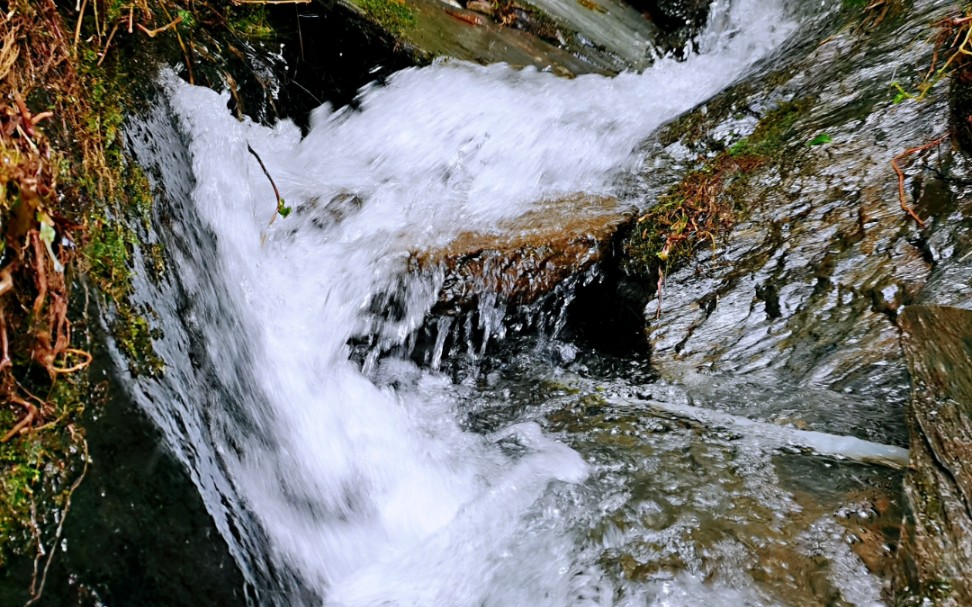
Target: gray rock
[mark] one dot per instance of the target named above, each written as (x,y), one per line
(803,291)
(566,37)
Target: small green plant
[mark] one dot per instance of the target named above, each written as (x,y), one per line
(393,15)
(954,41)
(820,139)
(250,22)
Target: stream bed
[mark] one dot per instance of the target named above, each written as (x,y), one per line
(341,466)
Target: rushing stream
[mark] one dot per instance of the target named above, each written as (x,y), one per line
(546,478)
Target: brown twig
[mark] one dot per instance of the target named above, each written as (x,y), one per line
(5,362)
(32,414)
(159,30)
(77,28)
(902,197)
(185,57)
(26,421)
(276,192)
(104,51)
(6,280)
(97,21)
(35,596)
(75,368)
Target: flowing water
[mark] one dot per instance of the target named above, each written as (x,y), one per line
(541,478)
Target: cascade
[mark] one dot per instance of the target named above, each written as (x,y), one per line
(345,483)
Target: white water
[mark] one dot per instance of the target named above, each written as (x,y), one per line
(365,486)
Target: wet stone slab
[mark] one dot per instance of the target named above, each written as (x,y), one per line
(805,287)
(528,256)
(566,37)
(936,560)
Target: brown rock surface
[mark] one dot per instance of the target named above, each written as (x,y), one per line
(936,554)
(528,256)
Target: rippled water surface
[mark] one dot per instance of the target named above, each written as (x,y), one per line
(539,477)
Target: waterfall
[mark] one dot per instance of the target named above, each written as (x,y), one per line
(348,487)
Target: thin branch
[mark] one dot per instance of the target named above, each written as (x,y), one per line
(902,197)
(111,36)
(77,29)
(159,30)
(276,192)
(28,420)
(60,524)
(86,356)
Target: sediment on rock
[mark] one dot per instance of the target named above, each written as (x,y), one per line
(936,547)
(528,256)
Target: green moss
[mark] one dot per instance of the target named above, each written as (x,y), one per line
(108,252)
(38,468)
(708,200)
(134,335)
(771,132)
(250,21)
(90,94)
(123,201)
(394,16)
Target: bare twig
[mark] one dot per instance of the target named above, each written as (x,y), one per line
(26,421)
(185,57)
(32,414)
(4,343)
(86,356)
(276,192)
(77,28)
(36,530)
(35,596)
(902,197)
(111,36)
(97,21)
(6,280)
(159,30)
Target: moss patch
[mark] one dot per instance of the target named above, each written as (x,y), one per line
(709,199)
(394,16)
(71,202)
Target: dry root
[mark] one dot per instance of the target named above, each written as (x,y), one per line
(34,326)
(902,197)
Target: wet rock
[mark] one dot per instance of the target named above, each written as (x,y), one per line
(528,256)
(568,38)
(696,500)
(672,14)
(679,20)
(801,293)
(936,563)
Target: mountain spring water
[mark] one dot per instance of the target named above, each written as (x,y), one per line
(353,486)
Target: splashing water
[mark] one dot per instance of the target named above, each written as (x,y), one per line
(363,488)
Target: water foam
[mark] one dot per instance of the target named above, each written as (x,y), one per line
(365,485)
